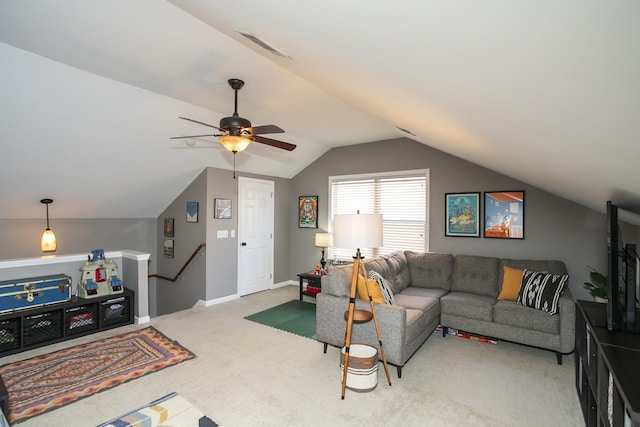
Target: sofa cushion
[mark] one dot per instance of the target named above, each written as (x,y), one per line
(423,292)
(541,291)
(424,304)
(430,270)
(472,306)
(513,314)
(387,293)
(397,264)
(476,275)
(338,280)
(511,281)
(554,267)
(369,287)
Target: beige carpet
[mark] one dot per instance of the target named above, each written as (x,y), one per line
(248,374)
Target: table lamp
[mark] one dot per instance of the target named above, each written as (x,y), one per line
(323,240)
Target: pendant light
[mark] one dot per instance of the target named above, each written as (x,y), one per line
(48,240)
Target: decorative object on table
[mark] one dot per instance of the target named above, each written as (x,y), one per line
(18,294)
(167,248)
(462,214)
(504,214)
(168,227)
(222,209)
(295,316)
(597,286)
(48,241)
(353,231)
(99,277)
(308,211)
(323,241)
(192,211)
(169,410)
(46,382)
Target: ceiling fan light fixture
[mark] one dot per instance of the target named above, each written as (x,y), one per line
(235,143)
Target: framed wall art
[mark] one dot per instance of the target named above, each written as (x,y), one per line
(192,211)
(168,227)
(168,248)
(308,211)
(222,208)
(504,214)
(462,214)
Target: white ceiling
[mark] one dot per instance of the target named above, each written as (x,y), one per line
(545,91)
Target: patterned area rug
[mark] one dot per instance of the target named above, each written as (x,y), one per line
(295,316)
(46,382)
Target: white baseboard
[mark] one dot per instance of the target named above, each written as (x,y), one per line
(208,303)
(141,320)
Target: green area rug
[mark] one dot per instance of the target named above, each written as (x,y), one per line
(295,316)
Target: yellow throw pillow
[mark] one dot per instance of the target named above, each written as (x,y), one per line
(511,282)
(374,290)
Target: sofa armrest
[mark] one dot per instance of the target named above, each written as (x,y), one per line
(331,325)
(567,313)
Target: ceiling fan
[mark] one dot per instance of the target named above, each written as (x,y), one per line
(237,132)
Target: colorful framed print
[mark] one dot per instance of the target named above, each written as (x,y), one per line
(222,208)
(192,211)
(168,227)
(308,211)
(462,214)
(168,248)
(504,214)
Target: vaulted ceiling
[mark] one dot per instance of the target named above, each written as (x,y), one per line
(91,90)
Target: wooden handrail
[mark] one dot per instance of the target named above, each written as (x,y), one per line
(193,255)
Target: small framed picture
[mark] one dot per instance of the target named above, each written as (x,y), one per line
(222,208)
(308,212)
(504,214)
(168,227)
(168,248)
(192,211)
(462,214)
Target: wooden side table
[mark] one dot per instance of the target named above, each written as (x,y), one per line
(313,280)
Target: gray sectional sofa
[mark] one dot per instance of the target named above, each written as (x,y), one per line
(455,291)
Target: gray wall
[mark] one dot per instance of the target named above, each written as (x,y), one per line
(20,238)
(554,227)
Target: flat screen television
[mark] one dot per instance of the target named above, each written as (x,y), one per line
(621,276)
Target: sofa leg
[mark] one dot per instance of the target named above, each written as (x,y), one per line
(325,347)
(559,357)
(399,369)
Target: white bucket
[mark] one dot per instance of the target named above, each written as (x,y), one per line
(362,374)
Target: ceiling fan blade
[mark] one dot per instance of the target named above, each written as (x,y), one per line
(200,123)
(259,130)
(191,136)
(274,143)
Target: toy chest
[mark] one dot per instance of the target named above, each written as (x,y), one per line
(19,294)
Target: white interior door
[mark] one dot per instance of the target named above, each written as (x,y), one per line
(255,235)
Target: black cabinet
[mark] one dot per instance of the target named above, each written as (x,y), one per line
(31,328)
(607,366)
(310,284)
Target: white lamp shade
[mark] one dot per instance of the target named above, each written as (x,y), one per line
(354,231)
(48,241)
(323,240)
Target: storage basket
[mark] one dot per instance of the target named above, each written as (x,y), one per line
(362,372)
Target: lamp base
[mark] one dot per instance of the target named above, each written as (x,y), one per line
(323,262)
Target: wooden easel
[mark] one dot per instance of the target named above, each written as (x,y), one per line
(359,316)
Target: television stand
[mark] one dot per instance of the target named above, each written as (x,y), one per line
(607,369)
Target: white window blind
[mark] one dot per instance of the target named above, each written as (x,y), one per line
(401,198)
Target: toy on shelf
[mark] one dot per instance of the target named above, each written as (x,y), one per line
(99,277)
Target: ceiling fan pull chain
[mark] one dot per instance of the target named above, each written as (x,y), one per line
(234,164)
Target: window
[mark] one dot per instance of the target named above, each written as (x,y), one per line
(401,198)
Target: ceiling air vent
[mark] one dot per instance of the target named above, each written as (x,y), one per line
(263,44)
(405,131)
